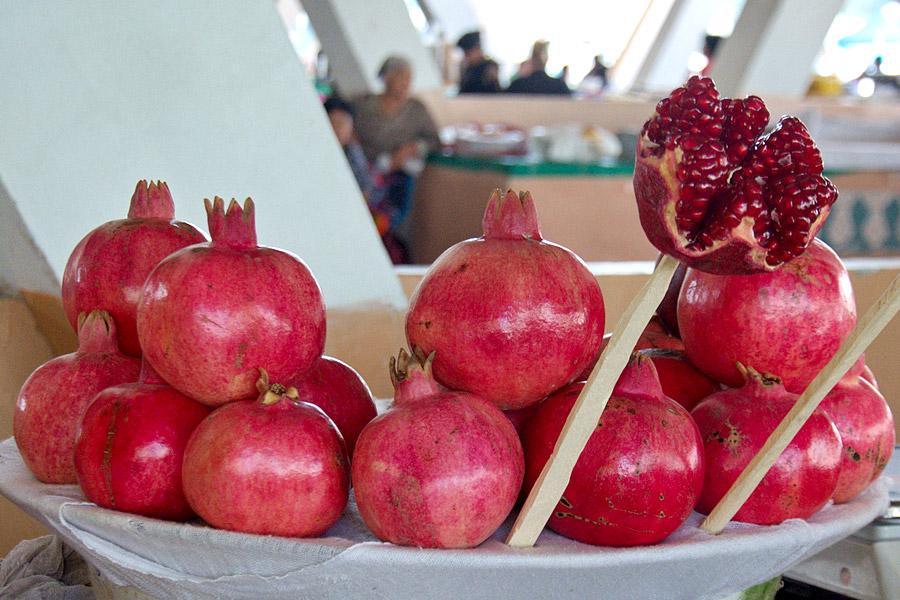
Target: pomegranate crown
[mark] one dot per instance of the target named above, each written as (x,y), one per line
(412,376)
(767,380)
(511,217)
(97,333)
(151,201)
(271,393)
(235,228)
(639,378)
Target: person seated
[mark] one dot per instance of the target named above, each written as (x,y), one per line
(479,74)
(538,81)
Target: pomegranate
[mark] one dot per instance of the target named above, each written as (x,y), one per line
(130,444)
(108,267)
(680,379)
(668,306)
(789,322)
(736,422)
(439,469)
(338,389)
(864,421)
(211,315)
(274,466)
(54,397)
(494,308)
(716,194)
(640,473)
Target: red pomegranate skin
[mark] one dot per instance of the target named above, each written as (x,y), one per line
(336,388)
(789,322)
(276,469)
(640,473)
(54,397)
(866,425)
(439,469)
(212,314)
(130,445)
(736,422)
(494,308)
(107,268)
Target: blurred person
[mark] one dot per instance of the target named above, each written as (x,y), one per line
(538,81)
(478,74)
(396,133)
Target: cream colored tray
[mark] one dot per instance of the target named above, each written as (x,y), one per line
(192,561)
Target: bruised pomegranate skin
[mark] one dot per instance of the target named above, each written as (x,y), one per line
(107,268)
(439,469)
(736,422)
(510,316)
(274,466)
(130,445)
(866,425)
(789,322)
(211,315)
(336,388)
(640,473)
(717,194)
(52,400)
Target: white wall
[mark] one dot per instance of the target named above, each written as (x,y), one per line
(208,96)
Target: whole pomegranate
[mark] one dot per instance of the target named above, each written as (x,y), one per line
(337,389)
(715,193)
(273,466)
(866,425)
(789,322)
(130,444)
(439,469)
(639,475)
(108,267)
(211,315)
(494,308)
(54,397)
(736,422)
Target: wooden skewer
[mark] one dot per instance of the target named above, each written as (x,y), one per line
(585,414)
(866,330)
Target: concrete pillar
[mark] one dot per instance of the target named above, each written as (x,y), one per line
(209,97)
(773,47)
(357,37)
(665,66)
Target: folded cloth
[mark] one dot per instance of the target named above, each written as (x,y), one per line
(44,569)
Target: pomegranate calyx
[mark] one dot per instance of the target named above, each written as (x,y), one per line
(767,380)
(97,333)
(152,201)
(412,376)
(639,378)
(234,228)
(272,393)
(511,217)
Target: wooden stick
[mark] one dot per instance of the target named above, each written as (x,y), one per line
(585,414)
(867,329)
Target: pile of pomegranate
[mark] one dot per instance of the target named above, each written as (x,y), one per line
(183,420)
(200,387)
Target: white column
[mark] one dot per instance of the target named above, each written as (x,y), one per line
(357,37)
(773,47)
(666,64)
(208,96)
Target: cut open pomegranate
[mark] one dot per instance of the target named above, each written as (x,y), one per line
(717,194)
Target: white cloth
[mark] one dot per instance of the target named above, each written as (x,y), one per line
(193,561)
(44,569)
